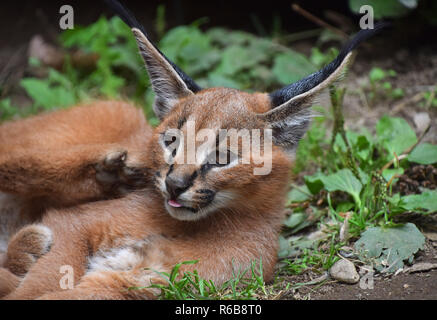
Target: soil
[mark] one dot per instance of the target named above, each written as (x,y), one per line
(403,286)
(416,72)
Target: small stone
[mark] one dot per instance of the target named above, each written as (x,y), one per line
(344,271)
(422,120)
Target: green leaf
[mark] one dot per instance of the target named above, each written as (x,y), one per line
(295,219)
(345,181)
(427,200)
(46,96)
(381,8)
(187,46)
(320,59)
(376,74)
(395,134)
(299,194)
(7,111)
(344,207)
(389,173)
(424,153)
(300,220)
(398,93)
(294,245)
(390,247)
(218,80)
(291,66)
(314,183)
(235,59)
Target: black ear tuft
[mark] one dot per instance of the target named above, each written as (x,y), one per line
(133,23)
(290,116)
(283,95)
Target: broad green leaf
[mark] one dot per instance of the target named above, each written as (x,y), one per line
(218,80)
(389,173)
(395,134)
(344,207)
(381,8)
(427,200)
(239,37)
(314,183)
(284,247)
(364,177)
(345,181)
(295,219)
(299,194)
(317,57)
(262,74)
(390,247)
(294,245)
(185,44)
(300,220)
(46,96)
(235,59)
(424,153)
(339,144)
(291,66)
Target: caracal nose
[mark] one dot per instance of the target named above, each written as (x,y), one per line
(177,184)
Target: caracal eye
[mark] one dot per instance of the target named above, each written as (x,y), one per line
(219,159)
(169,140)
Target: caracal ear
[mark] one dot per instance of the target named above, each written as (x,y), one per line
(290,115)
(169,82)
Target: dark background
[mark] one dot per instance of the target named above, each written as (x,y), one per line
(20,20)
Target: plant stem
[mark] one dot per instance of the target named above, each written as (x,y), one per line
(337,96)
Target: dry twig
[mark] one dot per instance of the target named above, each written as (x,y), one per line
(317,20)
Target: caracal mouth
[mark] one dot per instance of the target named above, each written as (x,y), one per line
(178,204)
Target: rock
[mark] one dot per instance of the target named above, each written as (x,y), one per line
(422,120)
(344,271)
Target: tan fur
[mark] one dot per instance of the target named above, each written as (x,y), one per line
(56,159)
(26,246)
(232,236)
(8,283)
(52,156)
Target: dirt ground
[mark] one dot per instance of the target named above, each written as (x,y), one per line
(416,72)
(403,286)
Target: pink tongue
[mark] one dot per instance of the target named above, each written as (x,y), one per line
(174,204)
